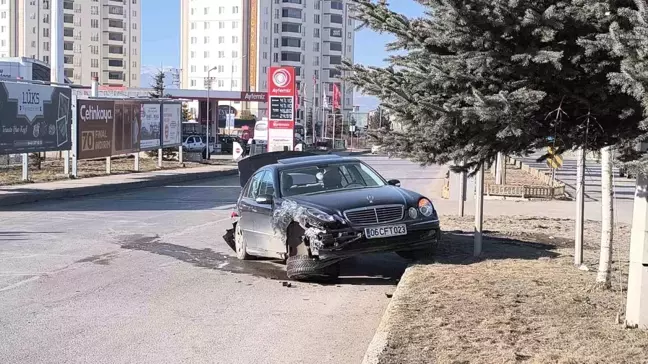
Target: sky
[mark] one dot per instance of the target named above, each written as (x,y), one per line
(161,40)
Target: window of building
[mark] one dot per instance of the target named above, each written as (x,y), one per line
(291,56)
(335,46)
(193,82)
(337,5)
(235,9)
(234,54)
(336,18)
(206,25)
(221,40)
(291,27)
(206,11)
(235,39)
(292,13)
(206,54)
(221,10)
(235,24)
(193,68)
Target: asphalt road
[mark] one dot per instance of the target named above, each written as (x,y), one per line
(145,277)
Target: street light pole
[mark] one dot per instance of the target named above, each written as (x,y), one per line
(209,80)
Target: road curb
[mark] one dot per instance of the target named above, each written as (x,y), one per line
(155,181)
(381,336)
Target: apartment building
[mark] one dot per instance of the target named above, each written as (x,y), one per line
(102,38)
(240,39)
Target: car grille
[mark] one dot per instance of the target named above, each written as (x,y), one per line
(375,214)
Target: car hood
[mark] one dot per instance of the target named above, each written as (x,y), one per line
(338,201)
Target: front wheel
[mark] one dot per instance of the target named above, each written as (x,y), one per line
(300,265)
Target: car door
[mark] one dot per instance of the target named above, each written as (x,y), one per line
(269,241)
(247,208)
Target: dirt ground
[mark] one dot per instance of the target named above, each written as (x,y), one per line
(524,301)
(52,169)
(515,177)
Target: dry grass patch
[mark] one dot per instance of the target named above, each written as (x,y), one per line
(52,169)
(523,302)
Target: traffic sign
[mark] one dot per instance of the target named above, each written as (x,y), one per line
(554,161)
(237,151)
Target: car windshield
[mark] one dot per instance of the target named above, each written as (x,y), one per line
(327,178)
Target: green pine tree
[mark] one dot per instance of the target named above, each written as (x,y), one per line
(186,113)
(626,40)
(478,77)
(158,85)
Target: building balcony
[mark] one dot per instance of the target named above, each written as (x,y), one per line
(113,12)
(114,25)
(116,65)
(114,38)
(113,76)
(328,7)
(334,34)
(114,50)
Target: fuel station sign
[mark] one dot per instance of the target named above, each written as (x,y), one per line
(281,116)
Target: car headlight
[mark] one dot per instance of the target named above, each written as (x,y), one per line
(320,215)
(425,207)
(413,213)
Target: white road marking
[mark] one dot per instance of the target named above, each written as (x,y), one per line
(202,186)
(18,284)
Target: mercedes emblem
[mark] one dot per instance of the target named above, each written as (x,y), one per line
(370,198)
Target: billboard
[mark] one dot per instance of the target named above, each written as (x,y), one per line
(34,118)
(150,127)
(281,117)
(171,124)
(96,120)
(127,127)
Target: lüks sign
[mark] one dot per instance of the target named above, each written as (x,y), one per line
(34,118)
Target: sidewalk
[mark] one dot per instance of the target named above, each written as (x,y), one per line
(27,193)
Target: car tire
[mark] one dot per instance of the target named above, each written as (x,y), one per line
(306,268)
(300,265)
(240,246)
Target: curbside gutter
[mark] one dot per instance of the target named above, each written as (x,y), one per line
(381,337)
(155,181)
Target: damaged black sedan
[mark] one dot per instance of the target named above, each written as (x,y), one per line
(317,210)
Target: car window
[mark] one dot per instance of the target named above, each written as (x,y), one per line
(267,185)
(252,190)
(327,177)
(190,140)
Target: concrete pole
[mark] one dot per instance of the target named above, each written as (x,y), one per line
(159,162)
(25,167)
(75,145)
(479,211)
(637,298)
(580,208)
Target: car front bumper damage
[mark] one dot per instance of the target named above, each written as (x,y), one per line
(351,241)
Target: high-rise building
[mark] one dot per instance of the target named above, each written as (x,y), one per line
(238,40)
(101,38)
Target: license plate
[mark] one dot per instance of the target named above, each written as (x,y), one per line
(385,231)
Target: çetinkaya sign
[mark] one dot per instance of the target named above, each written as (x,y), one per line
(96,124)
(34,118)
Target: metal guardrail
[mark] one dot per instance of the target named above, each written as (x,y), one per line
(552,189)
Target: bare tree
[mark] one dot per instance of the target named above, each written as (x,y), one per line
(607,220)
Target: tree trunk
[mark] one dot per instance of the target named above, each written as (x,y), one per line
(607,222)
(500,169)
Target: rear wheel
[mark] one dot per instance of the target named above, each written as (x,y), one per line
(300,265)
(240,244)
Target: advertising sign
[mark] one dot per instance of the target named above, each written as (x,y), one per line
(171,125)
(281,96)
(127,127)
(34,118)
(96,120)
(150,128)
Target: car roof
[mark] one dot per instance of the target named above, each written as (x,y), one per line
(290,163)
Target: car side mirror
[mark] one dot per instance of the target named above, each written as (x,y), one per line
(394,182)
(264,200)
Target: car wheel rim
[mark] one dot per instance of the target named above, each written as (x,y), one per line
(239,240)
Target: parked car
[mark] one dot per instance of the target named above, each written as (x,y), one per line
(317,210)
(195,143)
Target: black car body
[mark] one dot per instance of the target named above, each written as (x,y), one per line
(315,210)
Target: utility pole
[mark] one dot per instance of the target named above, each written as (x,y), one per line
(57,75)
